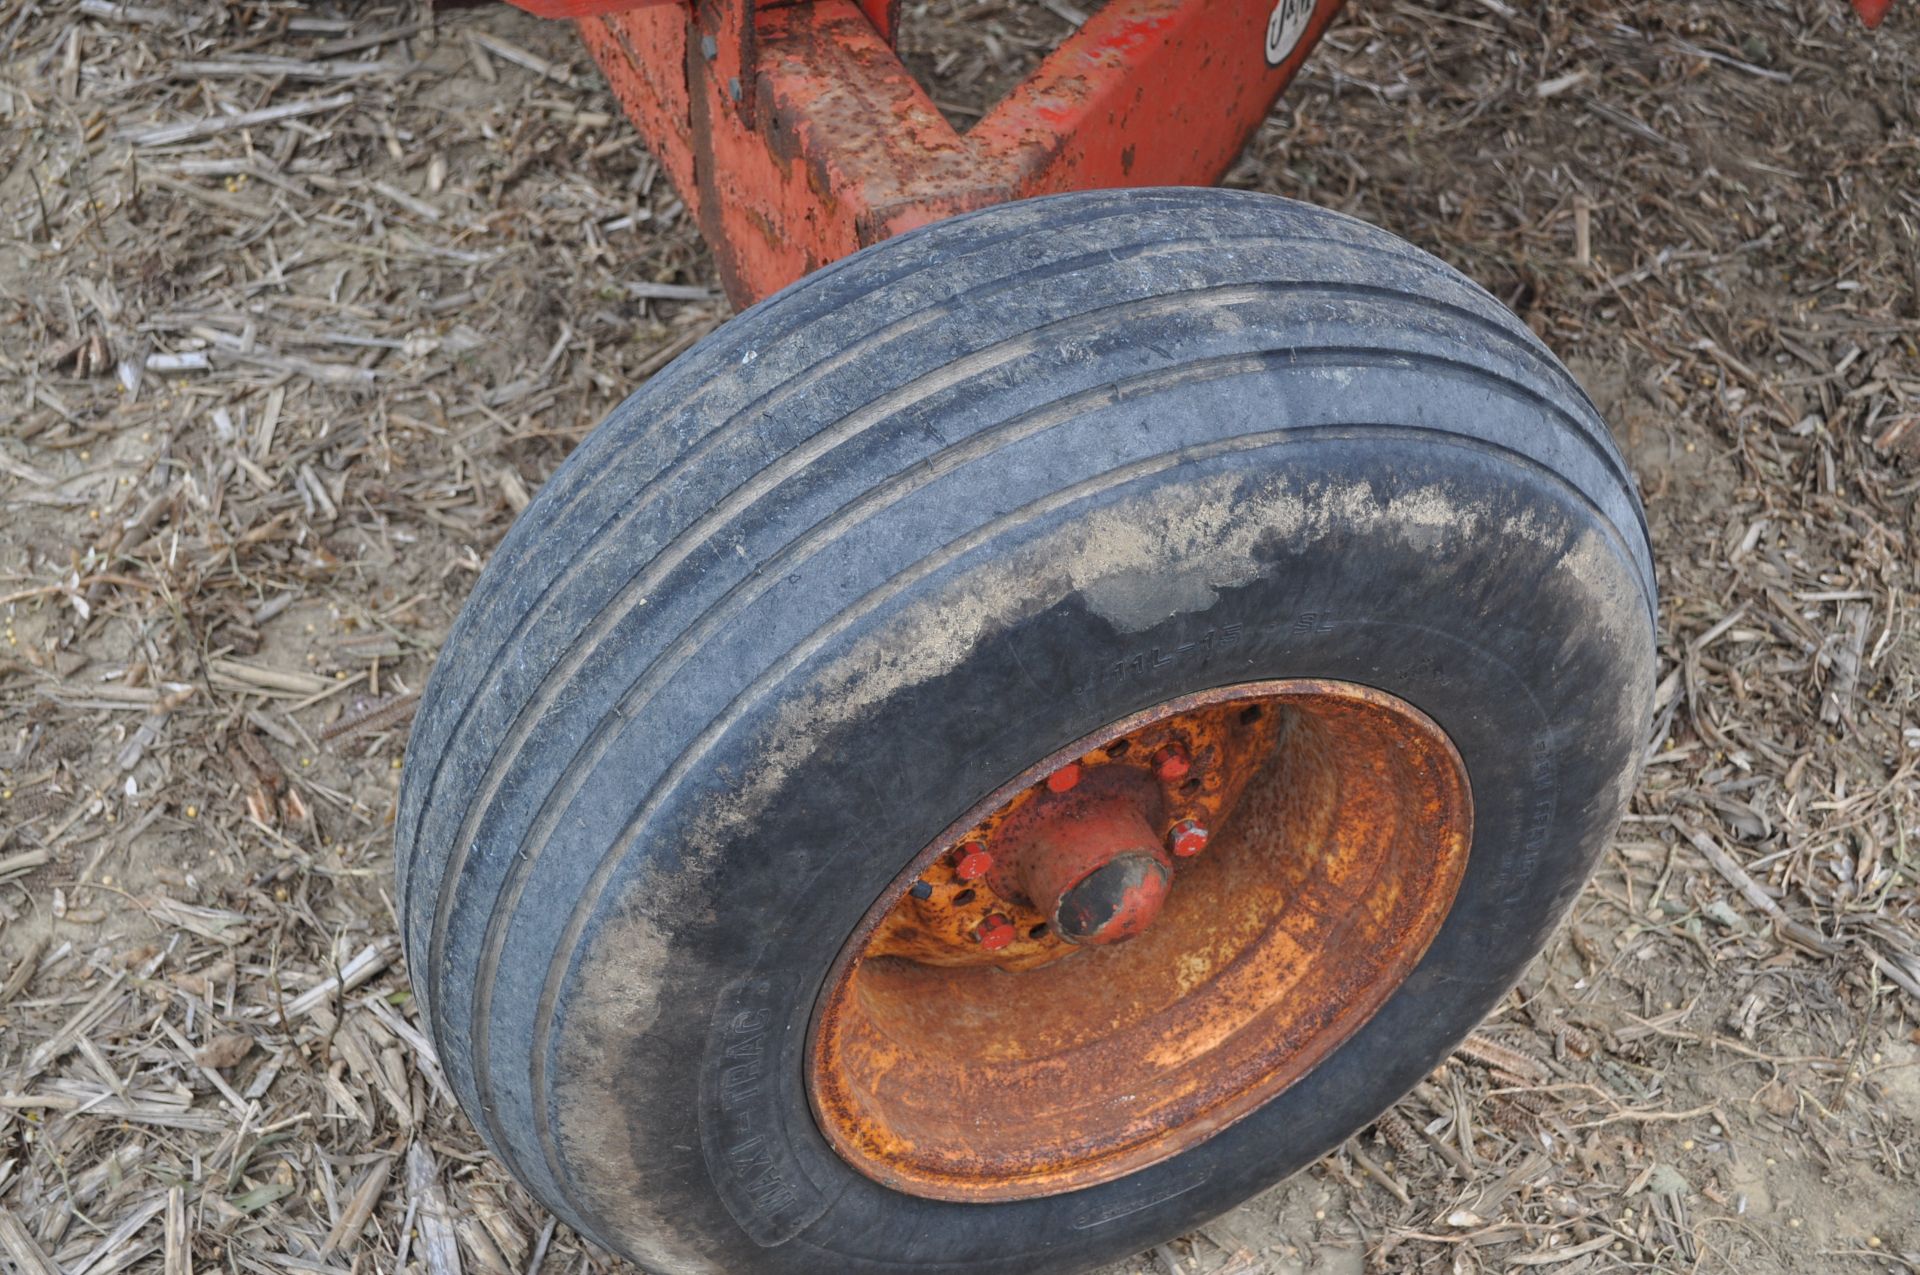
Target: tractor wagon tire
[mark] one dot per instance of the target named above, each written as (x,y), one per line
(889,540)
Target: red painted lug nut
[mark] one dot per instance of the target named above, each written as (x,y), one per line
(993,933)
(1063,779)
(1189,838)
(1172,763)
(971,861)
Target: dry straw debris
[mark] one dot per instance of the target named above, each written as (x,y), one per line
(302,303)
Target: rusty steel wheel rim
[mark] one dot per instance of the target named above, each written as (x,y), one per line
(1139,941)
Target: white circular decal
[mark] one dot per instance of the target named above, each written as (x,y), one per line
(1285,27)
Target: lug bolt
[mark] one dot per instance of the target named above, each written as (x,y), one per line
(971,861)
(1172,763)
(994,933)
(1063,779)
(1189,838)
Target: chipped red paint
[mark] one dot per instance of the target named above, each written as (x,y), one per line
(994,933)
(971,862)
(1172,763)
(1189,838)
(934,920)
(802,137)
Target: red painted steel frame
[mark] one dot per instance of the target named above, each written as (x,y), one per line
(795,135)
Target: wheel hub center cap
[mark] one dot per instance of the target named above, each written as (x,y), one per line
(1089,859)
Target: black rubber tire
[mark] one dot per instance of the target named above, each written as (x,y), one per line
(891,536)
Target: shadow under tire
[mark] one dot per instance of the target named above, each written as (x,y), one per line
(893,538)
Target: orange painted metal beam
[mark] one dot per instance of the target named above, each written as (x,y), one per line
(796,136)
(1150,92)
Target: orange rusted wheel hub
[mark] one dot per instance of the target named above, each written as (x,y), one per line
(1140,940)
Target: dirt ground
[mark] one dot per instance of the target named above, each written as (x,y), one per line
(275,384)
